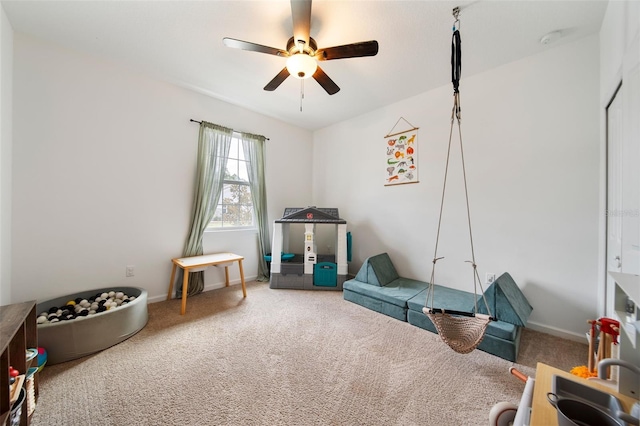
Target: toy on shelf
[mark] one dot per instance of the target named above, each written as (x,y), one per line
(42,358)
(609,330)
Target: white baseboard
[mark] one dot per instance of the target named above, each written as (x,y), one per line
(214,286)
(576,337)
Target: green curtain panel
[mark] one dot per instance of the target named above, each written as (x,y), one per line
(213,149)
(253,146)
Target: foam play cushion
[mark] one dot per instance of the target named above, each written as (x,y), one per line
(506,301)
(377,270)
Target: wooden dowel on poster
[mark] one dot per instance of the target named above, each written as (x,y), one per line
(404,131)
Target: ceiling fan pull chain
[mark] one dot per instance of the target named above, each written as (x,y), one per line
(301,93)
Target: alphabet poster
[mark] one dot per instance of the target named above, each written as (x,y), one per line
(401,164)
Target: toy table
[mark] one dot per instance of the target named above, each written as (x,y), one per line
(199,263)
(543,413)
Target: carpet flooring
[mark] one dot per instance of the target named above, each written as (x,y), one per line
(286,357)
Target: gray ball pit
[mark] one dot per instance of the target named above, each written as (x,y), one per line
(67,340)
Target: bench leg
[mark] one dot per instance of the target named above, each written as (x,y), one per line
(185,287)
(244,288)
(226,276)
(173,277)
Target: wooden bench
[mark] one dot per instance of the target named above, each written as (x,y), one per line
(200,263)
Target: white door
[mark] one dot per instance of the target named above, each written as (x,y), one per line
(623,174)
(631,160)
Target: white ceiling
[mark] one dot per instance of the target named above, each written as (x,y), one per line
(181,41)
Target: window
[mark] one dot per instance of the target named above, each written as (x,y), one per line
(235,209)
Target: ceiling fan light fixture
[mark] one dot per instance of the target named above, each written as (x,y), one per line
(301,65)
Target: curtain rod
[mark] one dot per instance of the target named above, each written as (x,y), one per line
(200,122)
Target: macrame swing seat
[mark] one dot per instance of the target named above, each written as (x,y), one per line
(461,331)
(462,334)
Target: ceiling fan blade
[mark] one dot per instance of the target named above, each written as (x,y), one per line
(326,83)
(353,50)
(277,80)
(301,16)
(252,47)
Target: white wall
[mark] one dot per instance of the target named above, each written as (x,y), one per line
(103,168)
(531,137)
(6,90)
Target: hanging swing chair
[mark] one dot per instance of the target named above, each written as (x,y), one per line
(462,331)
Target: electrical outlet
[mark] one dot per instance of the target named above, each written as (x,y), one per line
(130,271)
(490,278)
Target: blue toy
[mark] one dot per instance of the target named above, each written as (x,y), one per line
(42,358)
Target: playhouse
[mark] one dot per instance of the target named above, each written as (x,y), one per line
(309,270)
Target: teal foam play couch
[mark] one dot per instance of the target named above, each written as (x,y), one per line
(378,286)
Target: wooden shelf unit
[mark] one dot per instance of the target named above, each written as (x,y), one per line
(18,332)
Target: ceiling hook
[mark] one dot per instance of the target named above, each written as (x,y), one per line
(456,15)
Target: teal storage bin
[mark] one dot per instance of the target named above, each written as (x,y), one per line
(325,274)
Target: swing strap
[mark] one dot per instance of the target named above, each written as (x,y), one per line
(456,58)
(456,117)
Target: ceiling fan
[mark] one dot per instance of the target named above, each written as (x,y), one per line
(302,52)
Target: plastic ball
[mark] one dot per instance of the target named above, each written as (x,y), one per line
(71,302)
(119,295)
(54,320)
(41,319)
(104,295)
(53,309)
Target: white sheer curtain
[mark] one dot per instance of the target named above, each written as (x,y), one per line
(253,146)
